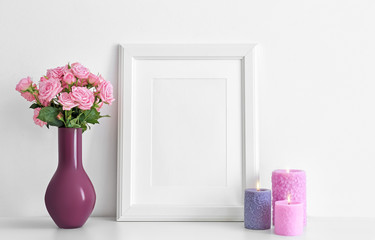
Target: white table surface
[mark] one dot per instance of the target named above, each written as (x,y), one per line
(107,228)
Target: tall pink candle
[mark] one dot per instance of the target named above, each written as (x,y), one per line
(291,182)
(289,218)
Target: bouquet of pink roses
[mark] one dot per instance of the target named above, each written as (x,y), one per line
(69,96)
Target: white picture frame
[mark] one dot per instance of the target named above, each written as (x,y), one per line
(138,60)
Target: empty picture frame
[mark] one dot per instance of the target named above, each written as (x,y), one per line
(186,139)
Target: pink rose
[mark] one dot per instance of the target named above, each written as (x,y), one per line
(101,79)
(49,89)
(105,90)
(28,96)
(64,85)
(45,102)
(80,71)
(83,96)
(60,116)
(66,101)
(56,73)
(66,69)
(36,119)
(69,78)
(93,79)
(43,79)
(24,84)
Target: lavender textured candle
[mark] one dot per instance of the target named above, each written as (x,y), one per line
(289,218)
(291,182)
(257,210)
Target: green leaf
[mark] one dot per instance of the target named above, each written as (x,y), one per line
(49,115)
(90,116)
(34,105)
(84,127)
(74,123)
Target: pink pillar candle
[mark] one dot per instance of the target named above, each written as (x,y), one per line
(291,182)
(289,218)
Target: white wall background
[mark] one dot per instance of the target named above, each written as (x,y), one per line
(317,82)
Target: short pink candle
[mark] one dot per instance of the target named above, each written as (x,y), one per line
(291,182)
(289,218)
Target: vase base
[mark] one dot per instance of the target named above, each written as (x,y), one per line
(69,226)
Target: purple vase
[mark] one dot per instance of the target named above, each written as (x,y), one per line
(70,196)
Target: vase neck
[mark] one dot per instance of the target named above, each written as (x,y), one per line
(70,148)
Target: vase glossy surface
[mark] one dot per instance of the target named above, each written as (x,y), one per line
(70,196)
